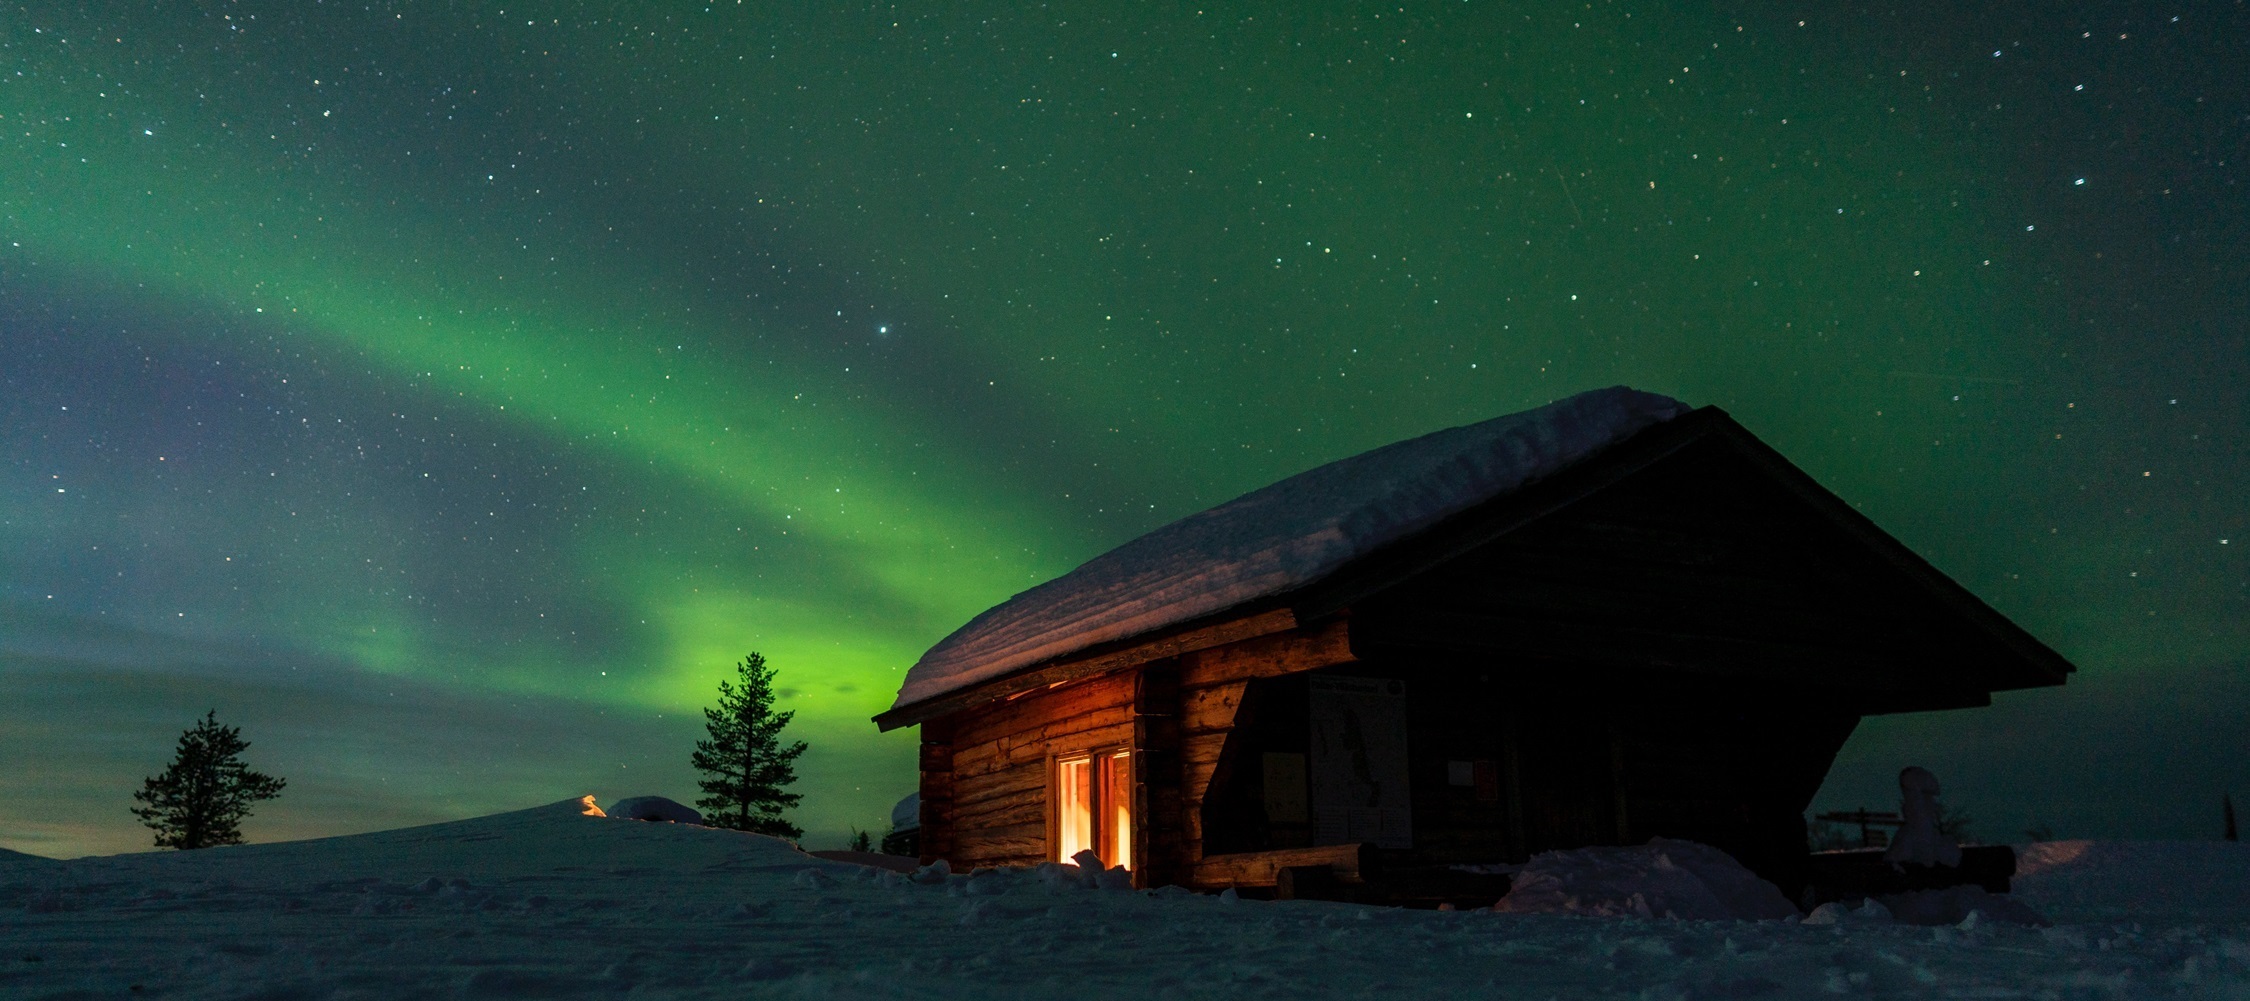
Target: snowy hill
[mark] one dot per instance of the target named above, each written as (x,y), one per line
(7,856)
(556,902)
(2173,881)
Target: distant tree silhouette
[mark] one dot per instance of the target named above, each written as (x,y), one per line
(2227,803)
(862,841)
(748,765)
(202,797)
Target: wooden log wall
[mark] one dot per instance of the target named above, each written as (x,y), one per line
(1695,569)
(936,764)
(1000,753)
(986,770)
(1211,687)
(1157,831)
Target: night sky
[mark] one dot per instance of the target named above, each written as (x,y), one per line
(449,394)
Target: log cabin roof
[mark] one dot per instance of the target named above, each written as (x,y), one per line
(1316,543)
(1280,537)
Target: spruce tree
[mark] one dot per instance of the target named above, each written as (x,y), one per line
(2226,805)
(202,797)
(748,765)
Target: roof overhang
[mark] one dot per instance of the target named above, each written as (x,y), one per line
(1236,625)
(2037,664)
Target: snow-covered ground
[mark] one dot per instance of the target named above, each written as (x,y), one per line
(553,902)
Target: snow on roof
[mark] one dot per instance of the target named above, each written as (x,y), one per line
(1281,537)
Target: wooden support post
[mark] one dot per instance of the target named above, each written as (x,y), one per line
(1157,828)
(1617,782)
(937,790)
(1511,756)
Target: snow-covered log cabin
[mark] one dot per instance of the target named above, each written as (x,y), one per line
(1606,619)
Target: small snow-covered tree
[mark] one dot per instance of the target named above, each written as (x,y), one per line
(201,798)
(749,768)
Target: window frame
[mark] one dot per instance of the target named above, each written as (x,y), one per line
(1101,801)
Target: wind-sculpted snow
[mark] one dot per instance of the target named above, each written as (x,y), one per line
(1282,537)
(558,903)
(2123,880)
(1661,879)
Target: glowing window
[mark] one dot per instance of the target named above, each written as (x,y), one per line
(1094,806)
(1074,806)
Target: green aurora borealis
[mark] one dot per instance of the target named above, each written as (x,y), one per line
(450,396)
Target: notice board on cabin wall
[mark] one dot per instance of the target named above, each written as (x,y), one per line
(1359,771)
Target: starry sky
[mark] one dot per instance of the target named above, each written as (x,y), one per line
(449,394)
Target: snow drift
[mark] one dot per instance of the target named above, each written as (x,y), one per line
(2128,880)
(1662,879)
(560,902)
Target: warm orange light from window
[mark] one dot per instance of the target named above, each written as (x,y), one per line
(1094,806)
(1074,807)
(1117,810)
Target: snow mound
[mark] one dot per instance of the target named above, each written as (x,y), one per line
(1954,905)
(1281,537)
(654,808)
(1836,912)
(1662,879)
(2081,881)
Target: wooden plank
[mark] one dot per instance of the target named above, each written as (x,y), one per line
(1201,749)
(1195,783)
(1095,661)
(1307,882)
(1027,780)
(983,846)
(1059,735)
(1156,773)
(989,758)
(1269,656)
(936,757)
(1035,709)
(1511,776)
(1060,731)
(936,785)
(1206,710)
(994,814)
(1349,862)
